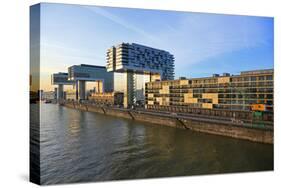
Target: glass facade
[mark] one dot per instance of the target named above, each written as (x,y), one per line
(91,73)
(140,59)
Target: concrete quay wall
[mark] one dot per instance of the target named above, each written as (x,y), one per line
(118,113)
(210,127)
(159,120)
(247,133)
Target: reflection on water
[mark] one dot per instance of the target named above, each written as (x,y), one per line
(81,146)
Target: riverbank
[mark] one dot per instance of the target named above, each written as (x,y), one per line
(80,146)
(203,124)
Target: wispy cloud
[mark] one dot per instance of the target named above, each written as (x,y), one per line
(69,51)
(205,36)
(123,22)
(56,57)
(81,34)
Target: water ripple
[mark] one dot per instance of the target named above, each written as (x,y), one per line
(82,146)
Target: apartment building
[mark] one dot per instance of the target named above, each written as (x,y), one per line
(250,90)
(111,98)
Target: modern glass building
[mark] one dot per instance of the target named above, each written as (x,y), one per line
(140,59)
(133,87)
(134,65)
(61,80)
(81,74)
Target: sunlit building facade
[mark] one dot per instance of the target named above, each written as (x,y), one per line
(132,85)
(110,99)
(251,90)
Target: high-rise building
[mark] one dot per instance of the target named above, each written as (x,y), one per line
(134,65)
(141,59)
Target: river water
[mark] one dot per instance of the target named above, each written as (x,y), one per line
(79,146)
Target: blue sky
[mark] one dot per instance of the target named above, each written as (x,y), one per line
(202,44)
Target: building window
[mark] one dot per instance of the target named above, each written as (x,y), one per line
(269,77)
(253,78)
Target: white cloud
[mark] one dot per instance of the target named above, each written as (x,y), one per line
(122,22)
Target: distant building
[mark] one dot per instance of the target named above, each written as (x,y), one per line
(112,98)
(49,95)
(87,73)
(248,91)
(60,79)
(78,76)
(134,65)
